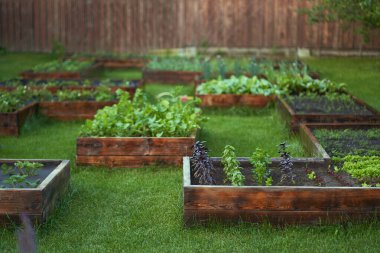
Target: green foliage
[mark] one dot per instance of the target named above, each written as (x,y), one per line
(364,168)
(169,117)
(58,49)
(18,174)
(297,84)
(311,175)
(260,161)
(364,13)
(101,93)
(232,167)
(175,64)
(238,85)
(62,66)
(10,101)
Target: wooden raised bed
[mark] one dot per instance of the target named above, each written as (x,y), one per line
(37,203)
(228,100)
(11,123)
(31,75)
(53,89)
(170,77)
(312,145)
(72,110)
(122,63)
(277,204)
(132,152)
(294,119)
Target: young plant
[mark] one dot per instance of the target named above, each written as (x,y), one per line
(232,167)
(15,180)
(28,168)
(311,175)
(203,169)
(286,165)
(260,161)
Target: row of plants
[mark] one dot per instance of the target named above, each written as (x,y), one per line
(353,151)
(21,174)
(220,67)
(10,101)
(261,173)
(167,117)
(66,83)
(108,55)
(62,66)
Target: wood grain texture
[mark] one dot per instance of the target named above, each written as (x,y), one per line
(276,204)
(38,202)
(133,151)
(72,110)
(141,25)
(11,123)
(229,100)
(170,77)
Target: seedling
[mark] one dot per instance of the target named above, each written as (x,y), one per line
(232,167)
(260,161)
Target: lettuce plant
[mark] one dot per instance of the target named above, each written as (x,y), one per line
(168,117)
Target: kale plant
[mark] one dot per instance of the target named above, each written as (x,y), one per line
(202,167)
(286,165)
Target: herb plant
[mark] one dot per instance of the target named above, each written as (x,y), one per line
(260,161)
(168,117)
(203,169)
(18,174)
(232,167)
(286,165)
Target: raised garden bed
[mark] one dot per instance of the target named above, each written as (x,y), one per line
(71,84)
(40,75)
(303,203)
(321,110)
(39,202)
(229,100)
(132,152)
(72,110)
(114,63)
(355,142)
(170,77)
(11,123)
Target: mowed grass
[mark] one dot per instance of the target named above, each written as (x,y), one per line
(140,210)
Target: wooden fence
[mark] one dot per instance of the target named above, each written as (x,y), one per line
(138,25)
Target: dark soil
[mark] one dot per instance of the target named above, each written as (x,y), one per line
(41,175)
(324,105)
(323,177)
(343,142)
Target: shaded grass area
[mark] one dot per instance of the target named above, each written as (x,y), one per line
(362,75)
(12,64)
(140,210)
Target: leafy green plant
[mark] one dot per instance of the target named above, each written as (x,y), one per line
(364,168)
(286,165)
(10,101)
(19,172)
(176,64)
(167,117)
(260,161)
(232,167)
(311,175)
(28,168)
(238,85)
(15,180)
(203,170)
(58,49)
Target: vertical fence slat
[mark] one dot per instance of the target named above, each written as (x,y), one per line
(138,25)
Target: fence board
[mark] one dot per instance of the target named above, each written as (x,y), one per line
(139,25)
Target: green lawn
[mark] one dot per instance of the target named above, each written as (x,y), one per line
(140,210)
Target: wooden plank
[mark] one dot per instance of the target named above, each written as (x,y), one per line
(128,161)
(139,146)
